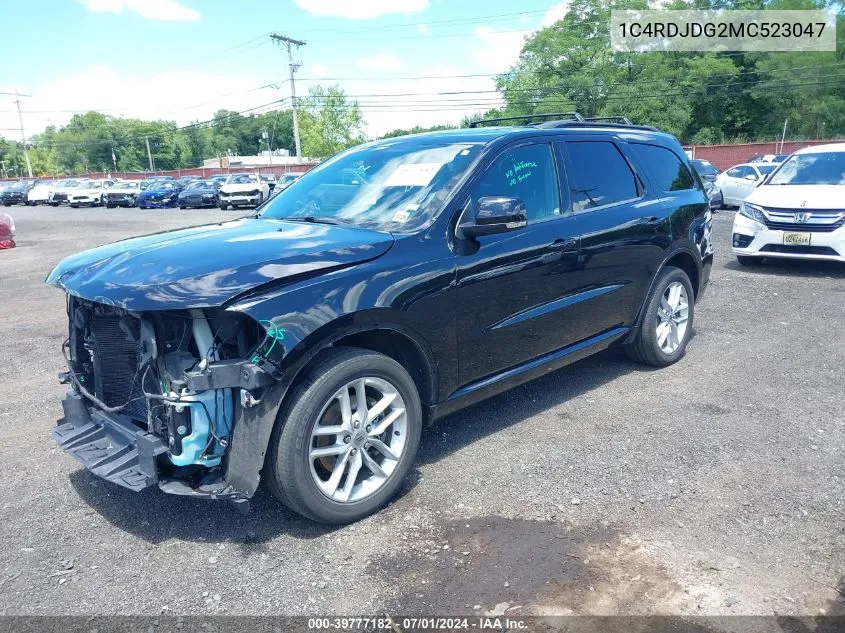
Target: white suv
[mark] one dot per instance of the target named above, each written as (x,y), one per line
(799,211)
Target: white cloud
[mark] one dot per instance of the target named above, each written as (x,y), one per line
(380,61)
(422,28)
(316,71)
(170,10)
(179,95)
(557,12)
(361,10)
(498,50)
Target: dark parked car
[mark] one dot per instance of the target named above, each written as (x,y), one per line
(154,180)
(270,179)
(184,181)
(159,194)
(15,193)
(705,169)
(309,344)
(200,193)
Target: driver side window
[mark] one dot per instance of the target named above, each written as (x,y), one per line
(527,173)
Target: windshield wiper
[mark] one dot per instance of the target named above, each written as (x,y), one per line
(316,219)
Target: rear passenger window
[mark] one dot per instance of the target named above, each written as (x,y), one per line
(664,166)
(598,174)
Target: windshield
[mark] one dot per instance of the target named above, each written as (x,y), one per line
(766,169)
(824,168)
(162,185)
(288,178)
(126,185)
(241,179)
(705,169)
(391,186)
(201,184)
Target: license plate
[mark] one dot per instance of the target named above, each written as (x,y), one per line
(797,239)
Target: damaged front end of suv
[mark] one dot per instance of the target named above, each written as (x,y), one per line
(172,381)
(155,394)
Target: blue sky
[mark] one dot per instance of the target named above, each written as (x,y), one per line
(183,59)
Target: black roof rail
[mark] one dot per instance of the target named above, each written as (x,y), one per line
(574,116)
(610,119)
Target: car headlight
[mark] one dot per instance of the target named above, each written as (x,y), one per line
(752,212)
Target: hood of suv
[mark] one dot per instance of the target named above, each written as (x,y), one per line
(206,266)
(799,196)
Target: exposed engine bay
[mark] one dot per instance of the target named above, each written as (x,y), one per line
(171,381)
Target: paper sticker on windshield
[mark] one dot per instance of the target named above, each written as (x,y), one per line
(412,175)
(401,216)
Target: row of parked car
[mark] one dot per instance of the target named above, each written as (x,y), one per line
(226,190)
(730,187)
(789,205)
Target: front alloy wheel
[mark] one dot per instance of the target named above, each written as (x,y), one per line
(358,440)
(346,437)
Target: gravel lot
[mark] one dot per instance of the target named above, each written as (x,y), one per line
(712,487)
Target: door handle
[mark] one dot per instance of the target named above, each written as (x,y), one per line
(564,244)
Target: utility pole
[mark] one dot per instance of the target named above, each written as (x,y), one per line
(23,134)
(783,136)
(150,154)
(289,43)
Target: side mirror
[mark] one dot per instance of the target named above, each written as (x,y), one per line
(496,214)
(751,177)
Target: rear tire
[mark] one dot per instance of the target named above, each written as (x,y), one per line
(748,260)
(293,472)
(665,327)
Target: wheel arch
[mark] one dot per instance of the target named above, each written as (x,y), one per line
(682,257)
(392,339)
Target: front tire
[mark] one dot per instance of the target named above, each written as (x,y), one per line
(666,324)
(323,436)
(748,260)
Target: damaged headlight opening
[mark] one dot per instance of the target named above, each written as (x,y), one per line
(178,375)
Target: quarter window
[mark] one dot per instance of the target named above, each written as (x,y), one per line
(598,175)
(664,166)
(527,173)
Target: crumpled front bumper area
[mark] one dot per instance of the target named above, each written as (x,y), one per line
(110,446)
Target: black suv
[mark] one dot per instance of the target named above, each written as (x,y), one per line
(310,343)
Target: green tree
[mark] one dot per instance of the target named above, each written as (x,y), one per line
(329,122)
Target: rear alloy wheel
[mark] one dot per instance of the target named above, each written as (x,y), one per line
(748,260)
(348,438)
(666,323)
